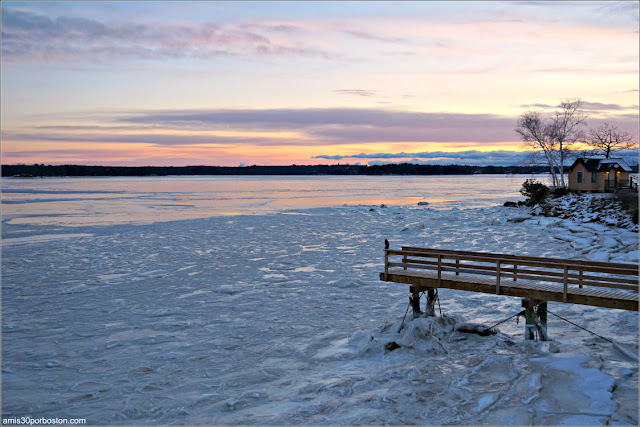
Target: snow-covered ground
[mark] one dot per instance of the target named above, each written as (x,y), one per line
(599,208)
(281,319)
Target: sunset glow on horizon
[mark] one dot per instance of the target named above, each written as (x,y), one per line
(277,83)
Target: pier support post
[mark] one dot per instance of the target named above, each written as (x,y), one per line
(542,314)
(530,325)
(415,301)
(430,309)
(535,314)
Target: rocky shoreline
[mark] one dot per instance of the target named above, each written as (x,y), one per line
(601,208)
(597,226)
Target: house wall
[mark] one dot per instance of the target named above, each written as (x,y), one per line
(623,177)
(586,184)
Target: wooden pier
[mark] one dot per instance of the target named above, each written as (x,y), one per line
(534,279)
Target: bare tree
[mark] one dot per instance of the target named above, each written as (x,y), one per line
(566,129)
(554,137)
(608,139)
(534,132)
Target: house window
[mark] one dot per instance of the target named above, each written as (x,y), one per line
(579,177)
(594,177)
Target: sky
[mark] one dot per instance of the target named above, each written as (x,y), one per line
(277,83)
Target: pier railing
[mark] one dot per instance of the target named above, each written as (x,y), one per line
(603,284)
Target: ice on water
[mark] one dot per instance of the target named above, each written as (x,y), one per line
(281,319)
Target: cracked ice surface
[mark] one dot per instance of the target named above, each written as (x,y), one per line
(281,319)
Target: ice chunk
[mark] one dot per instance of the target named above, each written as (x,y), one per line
(633,256)
(599,256)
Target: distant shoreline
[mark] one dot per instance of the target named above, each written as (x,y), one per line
(41,170)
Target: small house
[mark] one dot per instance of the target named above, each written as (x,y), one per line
(598,175)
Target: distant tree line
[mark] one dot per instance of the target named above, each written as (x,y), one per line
(42,170)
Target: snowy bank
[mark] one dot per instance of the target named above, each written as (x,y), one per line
(599,208)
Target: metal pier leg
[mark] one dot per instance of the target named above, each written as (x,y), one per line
(430,309)
(530,325)
(415,302)
(536,319)
(542,312)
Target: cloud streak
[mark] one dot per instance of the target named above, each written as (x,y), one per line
(374,37)
(296,127)
(498,157)
(468,157)
(155,139)
(343,125)
(594,107)
(31,37)
(358,92)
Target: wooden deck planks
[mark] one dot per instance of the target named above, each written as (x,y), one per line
(599,297)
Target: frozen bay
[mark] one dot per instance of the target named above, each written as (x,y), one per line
(82,201)
(279,318)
